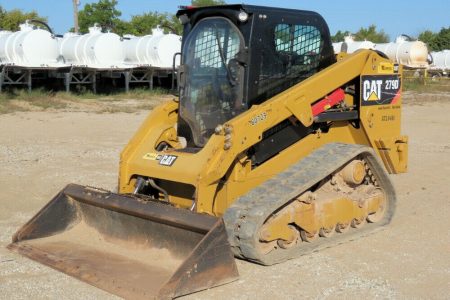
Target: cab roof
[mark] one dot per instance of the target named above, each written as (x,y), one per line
(250,9)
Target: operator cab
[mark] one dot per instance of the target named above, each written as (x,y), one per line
(235,56)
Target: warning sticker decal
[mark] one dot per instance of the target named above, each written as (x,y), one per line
(164,160)
(152,156)
(380,89)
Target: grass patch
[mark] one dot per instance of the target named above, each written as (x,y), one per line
(141,94)
(40,99)
(136,94)
(147,106)
(112,110)
(7,107)
(427,86)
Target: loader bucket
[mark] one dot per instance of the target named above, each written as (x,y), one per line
(127,246)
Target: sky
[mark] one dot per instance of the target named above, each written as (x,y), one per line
(395,17)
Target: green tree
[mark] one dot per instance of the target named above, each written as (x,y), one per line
(207,2)
(104,13)
(143,24)
(428,37)
(442,40)
(371,34)
(172,23)
(10,20)
(123,27)
(339,36)
(436,41)
(175,24)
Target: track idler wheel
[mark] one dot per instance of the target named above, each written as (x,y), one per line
(327,232)
(358,223)
(342,227)
(288,244)
(379,214)
(309,237)
(354,173)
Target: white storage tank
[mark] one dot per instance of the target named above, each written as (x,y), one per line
(4,37)
(411,54)
(95,49)
(350,45)
(441,60)
(156,50)
(137,50)
(337,47)
(68,48)
(29,47)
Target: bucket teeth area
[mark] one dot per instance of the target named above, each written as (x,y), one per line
(134,249)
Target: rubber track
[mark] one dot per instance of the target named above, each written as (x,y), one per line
(247,214)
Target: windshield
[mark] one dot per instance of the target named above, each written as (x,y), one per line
(211,79)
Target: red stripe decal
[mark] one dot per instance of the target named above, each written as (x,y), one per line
(328,102)
(397,97)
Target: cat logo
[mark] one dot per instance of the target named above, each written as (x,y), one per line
(380,89)
(373,97)
(167,160)
(372,90)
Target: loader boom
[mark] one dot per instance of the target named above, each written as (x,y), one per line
(247,130)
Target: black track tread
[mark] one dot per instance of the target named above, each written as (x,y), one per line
(247,214)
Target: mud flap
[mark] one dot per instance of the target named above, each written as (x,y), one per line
(127,246)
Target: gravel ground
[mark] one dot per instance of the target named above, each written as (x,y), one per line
(40,152)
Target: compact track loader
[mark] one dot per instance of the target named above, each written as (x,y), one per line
(274,148)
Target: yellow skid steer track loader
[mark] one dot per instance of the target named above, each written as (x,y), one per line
(274,148)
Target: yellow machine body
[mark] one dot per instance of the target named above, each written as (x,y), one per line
(221,172)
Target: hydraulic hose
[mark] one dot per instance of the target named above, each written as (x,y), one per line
(42,23)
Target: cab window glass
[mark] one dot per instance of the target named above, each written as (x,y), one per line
(293,57)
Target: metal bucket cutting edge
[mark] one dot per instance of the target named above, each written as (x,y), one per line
(126,246)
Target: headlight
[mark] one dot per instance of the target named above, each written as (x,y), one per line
(243,16)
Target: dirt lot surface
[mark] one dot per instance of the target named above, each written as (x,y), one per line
(40,152)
